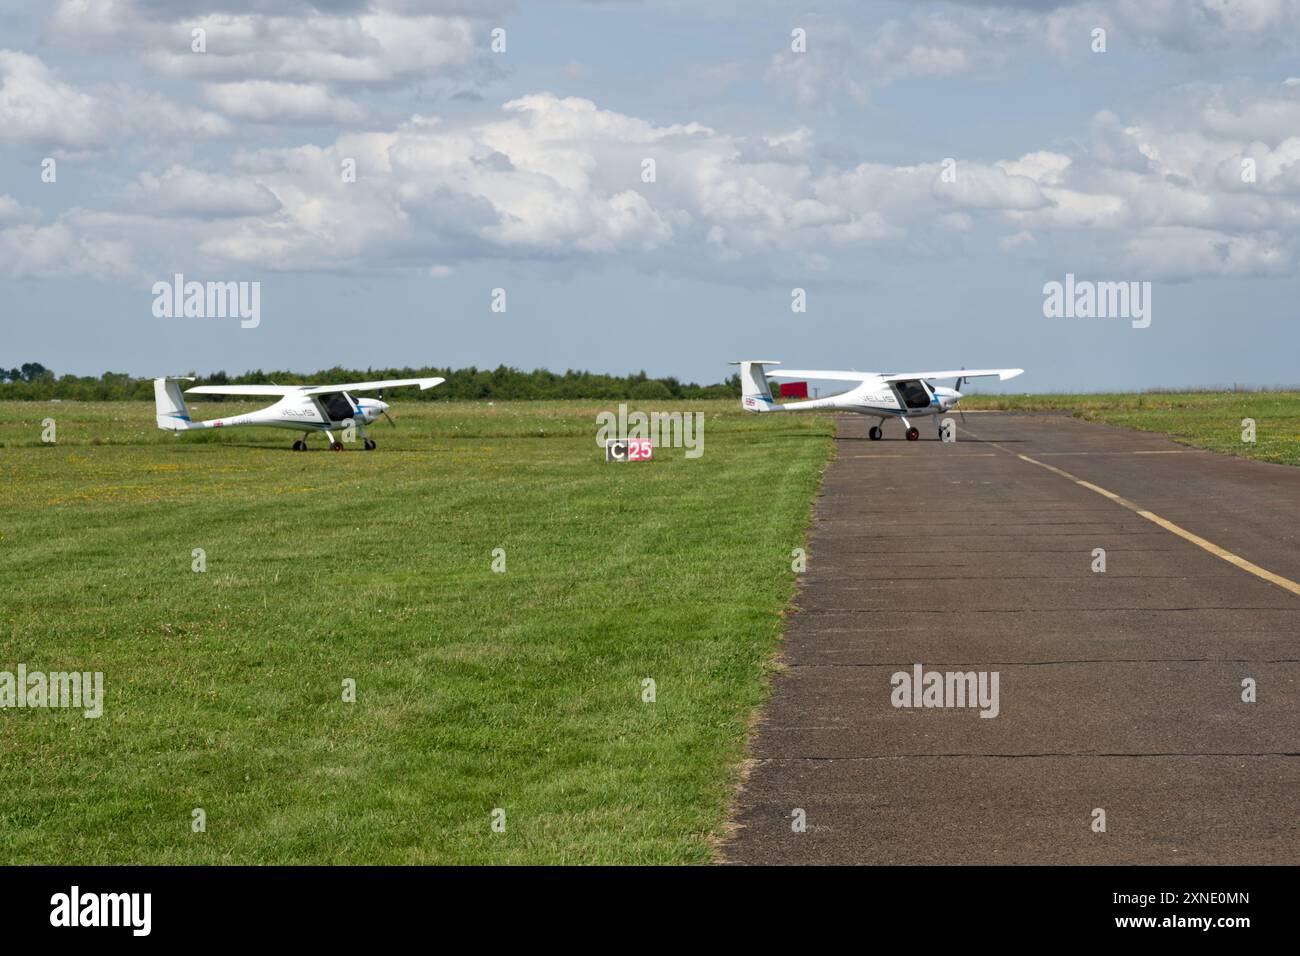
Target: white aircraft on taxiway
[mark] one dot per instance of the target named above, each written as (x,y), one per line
(900,395)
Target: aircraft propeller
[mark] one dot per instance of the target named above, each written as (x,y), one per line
(385,412)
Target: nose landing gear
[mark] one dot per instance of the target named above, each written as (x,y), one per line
(913,434)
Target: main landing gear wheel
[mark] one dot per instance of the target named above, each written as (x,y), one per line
(913,434)
(370,445)
(875,433)
(300,445)
(336,446)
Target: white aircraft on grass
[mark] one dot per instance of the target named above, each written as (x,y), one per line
(881,394)
(308,408)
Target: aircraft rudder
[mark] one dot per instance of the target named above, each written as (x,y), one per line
(755,391)
(173,414)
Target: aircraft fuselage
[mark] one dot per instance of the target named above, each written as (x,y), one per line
(306,413)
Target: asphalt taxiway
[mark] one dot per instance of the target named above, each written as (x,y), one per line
(1120,690)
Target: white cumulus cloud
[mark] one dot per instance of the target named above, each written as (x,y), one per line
(265,101)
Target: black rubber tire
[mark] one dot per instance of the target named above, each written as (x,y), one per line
(913,434)
(875,434)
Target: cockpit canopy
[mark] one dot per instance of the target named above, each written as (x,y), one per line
(914,393)
(338,406)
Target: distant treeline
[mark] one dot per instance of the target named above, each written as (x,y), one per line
(34,382)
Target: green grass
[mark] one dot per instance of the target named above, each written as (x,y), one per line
(476,690)
(1210,420)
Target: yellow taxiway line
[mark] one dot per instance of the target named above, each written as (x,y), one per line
(1235,559)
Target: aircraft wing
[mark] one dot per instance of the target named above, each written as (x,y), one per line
(371,386)
(311,389)
(829,375)
(243,389)
(1002,373)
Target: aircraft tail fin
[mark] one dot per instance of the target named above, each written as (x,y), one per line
(173,415)
(755,392)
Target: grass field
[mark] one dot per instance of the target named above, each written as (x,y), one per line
(1210,420)
(476,690)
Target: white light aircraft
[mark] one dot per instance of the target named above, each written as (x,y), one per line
(306,408)
(900,395)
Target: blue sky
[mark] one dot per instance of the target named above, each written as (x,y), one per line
(775,169)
